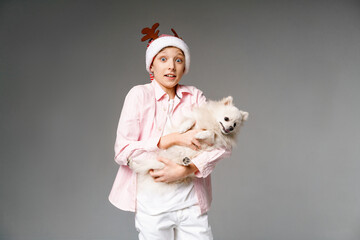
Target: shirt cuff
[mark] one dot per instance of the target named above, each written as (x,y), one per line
(206,161)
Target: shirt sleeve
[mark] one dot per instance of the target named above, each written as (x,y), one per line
(206,161)
(127,143)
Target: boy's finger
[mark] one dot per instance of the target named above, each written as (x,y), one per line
(155,173)
(159,179)
(163,160)
(197,144)
(193,147)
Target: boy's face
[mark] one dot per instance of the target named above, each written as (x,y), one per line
(168,67)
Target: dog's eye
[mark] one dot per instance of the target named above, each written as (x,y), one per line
(226,119)
(234,124)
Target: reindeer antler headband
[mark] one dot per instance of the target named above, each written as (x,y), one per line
(157,43)
(151,34)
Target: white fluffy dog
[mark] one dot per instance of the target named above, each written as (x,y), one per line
(221,122)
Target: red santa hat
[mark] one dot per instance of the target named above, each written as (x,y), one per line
(157,43)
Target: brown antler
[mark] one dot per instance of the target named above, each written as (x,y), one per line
(150,33)
(175,34)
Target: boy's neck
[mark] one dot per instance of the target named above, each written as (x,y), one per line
(171,92)
(172,96)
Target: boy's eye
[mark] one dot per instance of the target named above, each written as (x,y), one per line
(179,60)
(163,59)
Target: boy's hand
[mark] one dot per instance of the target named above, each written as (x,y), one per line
(186,139)
(171,171)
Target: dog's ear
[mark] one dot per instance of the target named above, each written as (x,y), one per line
(245,115)
(227,101)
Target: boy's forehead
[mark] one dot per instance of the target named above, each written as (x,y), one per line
(167,49)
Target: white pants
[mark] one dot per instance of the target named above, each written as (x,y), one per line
(184,224)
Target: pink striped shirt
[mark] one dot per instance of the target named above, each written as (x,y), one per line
(140,127)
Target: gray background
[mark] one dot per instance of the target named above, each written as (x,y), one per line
(66,67)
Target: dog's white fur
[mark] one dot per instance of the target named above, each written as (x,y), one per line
(221,122)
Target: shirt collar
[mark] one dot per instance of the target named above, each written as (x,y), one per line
(160,93)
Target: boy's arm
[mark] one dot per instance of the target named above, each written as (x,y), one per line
(186,139)
(171,171)
(127,142)
(202,166)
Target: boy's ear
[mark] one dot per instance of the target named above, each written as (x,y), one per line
(227,101)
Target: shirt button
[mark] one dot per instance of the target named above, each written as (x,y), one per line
(159,129)
(164,108)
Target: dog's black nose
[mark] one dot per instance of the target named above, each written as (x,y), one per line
(231,128)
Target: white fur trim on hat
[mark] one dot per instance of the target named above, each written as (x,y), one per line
(166,41)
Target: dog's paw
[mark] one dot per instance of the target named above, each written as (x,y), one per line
(134,165)
(186,125)
(204,135)
(186,161)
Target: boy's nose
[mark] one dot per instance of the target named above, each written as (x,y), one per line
(171,65)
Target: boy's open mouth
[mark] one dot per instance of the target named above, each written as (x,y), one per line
(170,75)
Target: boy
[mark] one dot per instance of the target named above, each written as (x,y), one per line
(147,113)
